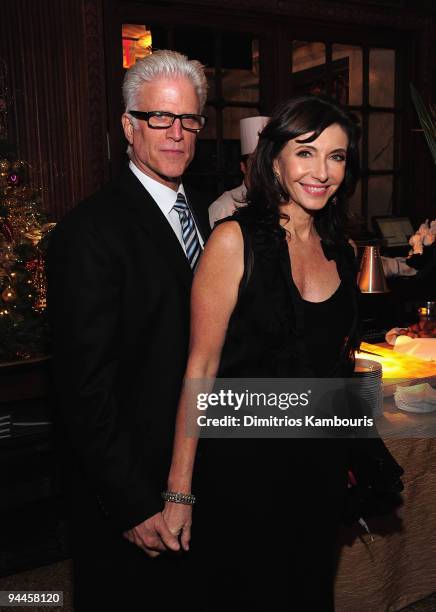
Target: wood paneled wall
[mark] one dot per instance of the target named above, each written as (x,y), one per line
(53,50)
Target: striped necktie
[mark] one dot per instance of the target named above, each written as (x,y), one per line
(189,233)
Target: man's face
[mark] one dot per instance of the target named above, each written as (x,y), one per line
(163,154)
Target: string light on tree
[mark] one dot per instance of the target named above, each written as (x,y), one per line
(24,234)
(9,294)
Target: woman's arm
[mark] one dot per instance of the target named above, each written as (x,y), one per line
(214,295)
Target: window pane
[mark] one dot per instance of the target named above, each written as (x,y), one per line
(381,77)
(307,55)
(237,50)
(308,67)
(205,159)
(379,196)
(231,119)
(137,42)
(197,44)
(241,83)
(381,141)
(347,74)
(210,75)
(359,118)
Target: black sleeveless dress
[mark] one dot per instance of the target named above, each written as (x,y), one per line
(265,524)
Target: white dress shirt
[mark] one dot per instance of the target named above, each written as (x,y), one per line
(165,198)
(226,204)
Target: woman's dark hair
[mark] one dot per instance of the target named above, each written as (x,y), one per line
(290,120)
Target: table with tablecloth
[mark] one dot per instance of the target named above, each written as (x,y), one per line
(398,567)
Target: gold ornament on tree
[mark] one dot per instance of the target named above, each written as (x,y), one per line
(23,286)
(39,281)
(5,165)
(23,324)
(9,294)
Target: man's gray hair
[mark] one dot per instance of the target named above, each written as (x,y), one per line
(166,64)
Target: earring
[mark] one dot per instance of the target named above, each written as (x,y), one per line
(334,201)
(283,194)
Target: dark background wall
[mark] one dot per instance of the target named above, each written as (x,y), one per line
(62,81)
(53,50)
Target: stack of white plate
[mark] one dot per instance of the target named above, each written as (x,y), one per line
(370,389)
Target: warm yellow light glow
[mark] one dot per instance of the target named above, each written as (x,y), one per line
(145,42)
(137,43)
(397,365)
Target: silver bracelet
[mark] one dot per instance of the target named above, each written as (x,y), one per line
(179,498)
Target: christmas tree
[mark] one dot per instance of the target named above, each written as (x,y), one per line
(23,242)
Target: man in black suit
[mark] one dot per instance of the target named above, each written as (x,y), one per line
(120,271)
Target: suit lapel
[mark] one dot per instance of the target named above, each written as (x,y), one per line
(154,223)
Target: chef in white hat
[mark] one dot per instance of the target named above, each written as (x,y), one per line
(227,203)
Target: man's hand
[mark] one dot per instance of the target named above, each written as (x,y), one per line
(153,536)
(178,518)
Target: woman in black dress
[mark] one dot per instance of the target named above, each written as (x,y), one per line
(274,296)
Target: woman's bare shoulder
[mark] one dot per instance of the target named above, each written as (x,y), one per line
(227,235)
(221,266)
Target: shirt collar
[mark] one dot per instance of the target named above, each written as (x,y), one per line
(164,196)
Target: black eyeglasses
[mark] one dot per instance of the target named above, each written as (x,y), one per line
(160,120)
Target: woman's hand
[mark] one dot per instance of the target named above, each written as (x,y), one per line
(178,518)
(153,536)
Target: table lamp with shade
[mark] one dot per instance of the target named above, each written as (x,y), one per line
(371,278)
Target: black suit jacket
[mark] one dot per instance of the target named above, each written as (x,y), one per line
(119,289)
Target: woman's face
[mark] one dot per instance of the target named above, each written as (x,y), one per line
(311,173)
